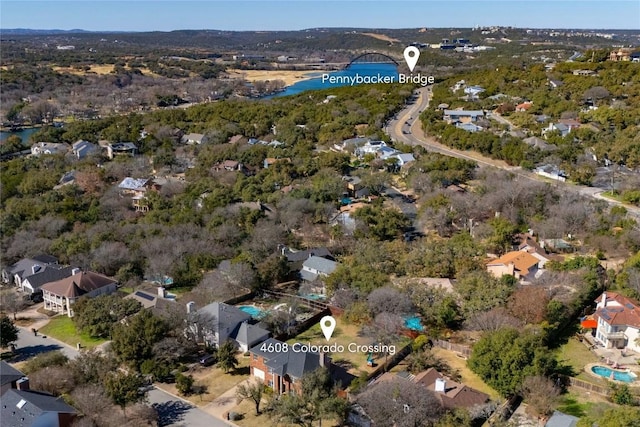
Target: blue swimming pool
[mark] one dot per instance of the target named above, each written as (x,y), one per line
(414,323)
(605,372)
(252,311)
(315,297)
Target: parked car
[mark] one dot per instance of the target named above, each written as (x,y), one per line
(207,360)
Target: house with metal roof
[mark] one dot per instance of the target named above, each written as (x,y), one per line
(618,321)
(82,149)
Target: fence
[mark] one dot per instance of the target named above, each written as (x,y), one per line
(458,348)
(584,385)
(312,304)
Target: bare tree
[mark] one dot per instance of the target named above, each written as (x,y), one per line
(492,320)
(401,403)
(529,304)
(10,302)
(541,394)
(389,300)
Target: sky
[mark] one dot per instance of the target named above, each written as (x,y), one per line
(155,15)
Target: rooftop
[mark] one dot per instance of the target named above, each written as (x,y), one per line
(22,408)
(522,261)
(292,363)
(618,310)
(79,284)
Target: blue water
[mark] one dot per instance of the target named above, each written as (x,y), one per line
(315,297)
(372,69)
(346,201)
(413,323)
(617,375)
(24,134)
(252,310)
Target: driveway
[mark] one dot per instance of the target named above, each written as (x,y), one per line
(173,411)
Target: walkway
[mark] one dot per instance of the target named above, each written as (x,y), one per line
(225,402)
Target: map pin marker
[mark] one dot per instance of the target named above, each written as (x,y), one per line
(327,324)
(411,55)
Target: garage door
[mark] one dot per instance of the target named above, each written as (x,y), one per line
(258,373)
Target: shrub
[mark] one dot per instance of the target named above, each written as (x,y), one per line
(184,384)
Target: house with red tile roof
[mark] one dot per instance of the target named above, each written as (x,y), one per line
(618,321)
(519,264)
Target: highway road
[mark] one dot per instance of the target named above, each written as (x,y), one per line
(406,128)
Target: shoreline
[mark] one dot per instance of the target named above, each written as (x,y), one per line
(289,77)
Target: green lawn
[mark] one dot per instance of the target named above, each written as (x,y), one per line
(580,404)
(62,328)
(576,355)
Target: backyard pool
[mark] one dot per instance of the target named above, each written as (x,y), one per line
(315,297)
(413,323)
(605,372)
(253,311)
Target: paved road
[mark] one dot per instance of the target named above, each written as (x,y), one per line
(29,345)
(171,410)
(407,128)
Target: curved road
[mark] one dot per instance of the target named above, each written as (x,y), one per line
(405,127)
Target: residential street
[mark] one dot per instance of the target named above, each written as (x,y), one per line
(407,128)
(172,410)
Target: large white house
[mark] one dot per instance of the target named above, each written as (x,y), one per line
(618,321)
(60,295)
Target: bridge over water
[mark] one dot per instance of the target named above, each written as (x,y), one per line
(373,58)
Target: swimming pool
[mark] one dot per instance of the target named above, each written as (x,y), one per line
(252,311)
(315,297)
(605,372)
(414,323)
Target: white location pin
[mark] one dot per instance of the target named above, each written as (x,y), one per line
(411,55)
(327,324)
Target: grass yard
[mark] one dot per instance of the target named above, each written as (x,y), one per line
(345,334)
(576,355)
(579,403)
(62,328)
(467,376)
(215,381)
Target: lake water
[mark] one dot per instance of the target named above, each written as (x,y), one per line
(364,69)
(24,134)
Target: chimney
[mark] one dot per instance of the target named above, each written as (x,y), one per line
(75,271)
(190,307)
(161,293)
(604,299)
(22,384)
(441,385)
(35,268)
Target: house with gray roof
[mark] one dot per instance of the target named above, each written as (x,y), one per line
(82,149)
(21,269)
(26,408)
(454,116)
(560,419)
(219,322)
(193,138)
(9,377)
(43,275)
(315,267)
(539,143)
(279,367)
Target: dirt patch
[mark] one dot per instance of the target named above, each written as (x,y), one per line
(381,37)
(287,76)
